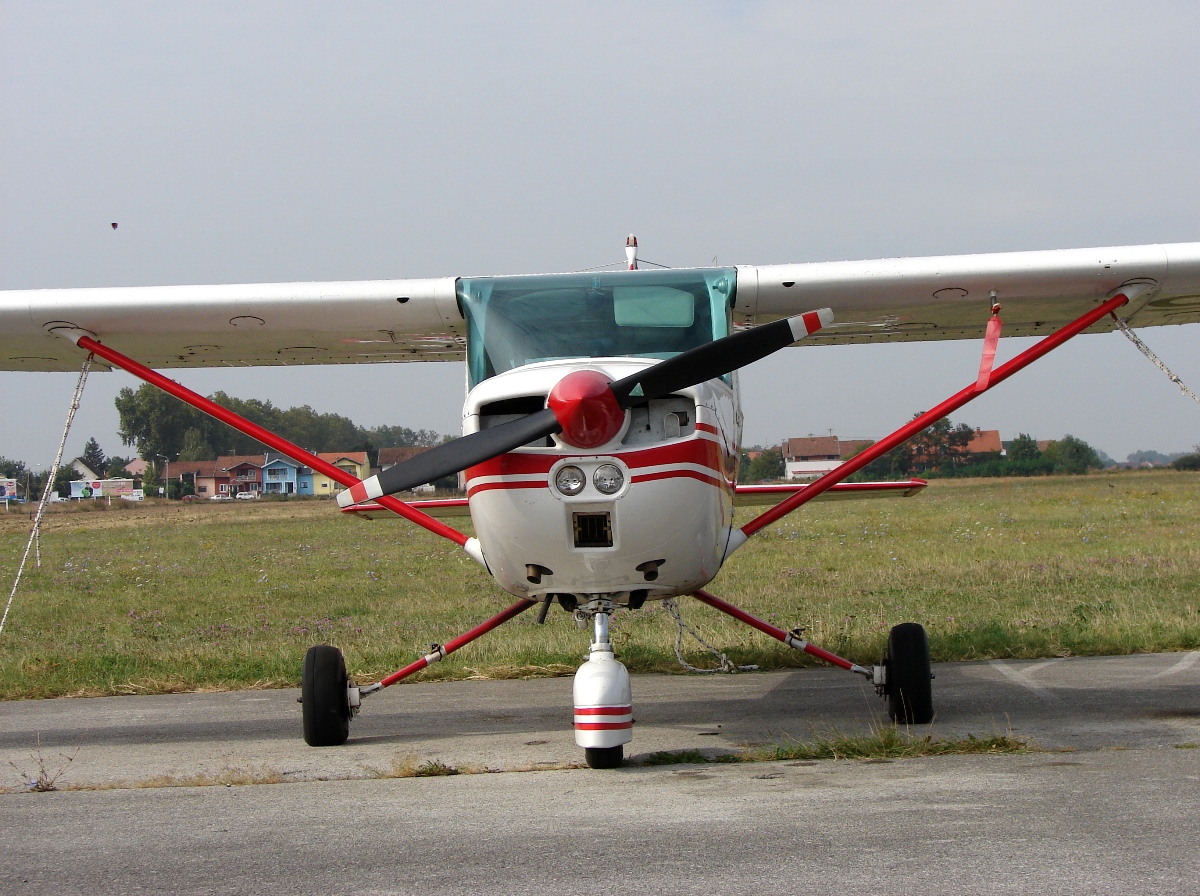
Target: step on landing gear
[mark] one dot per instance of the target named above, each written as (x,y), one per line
(603,698)
(327,697)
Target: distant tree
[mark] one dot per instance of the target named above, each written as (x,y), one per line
(93,457)
(159,424)
(155,422)
(63,478)
(399,437)
(373,453)
(1153,458)
(896,464)
(1024,447)
(1187,462)
(116,467)
(768,465)
(195,447)
(12,469)
(1072,455)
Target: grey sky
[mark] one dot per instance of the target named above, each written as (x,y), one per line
(298,141)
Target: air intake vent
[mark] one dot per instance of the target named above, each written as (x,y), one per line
(592,530)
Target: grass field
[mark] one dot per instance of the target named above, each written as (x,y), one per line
(157,598)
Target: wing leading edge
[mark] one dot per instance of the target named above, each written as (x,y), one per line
(884,300)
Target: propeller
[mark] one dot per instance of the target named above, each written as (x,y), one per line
(588,409)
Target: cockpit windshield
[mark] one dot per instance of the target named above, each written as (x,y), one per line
(513,321)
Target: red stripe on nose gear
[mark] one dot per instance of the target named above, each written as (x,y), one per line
(602,726)
(586,409)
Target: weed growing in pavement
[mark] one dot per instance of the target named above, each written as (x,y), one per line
(45,779)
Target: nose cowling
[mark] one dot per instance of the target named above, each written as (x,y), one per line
(586,408)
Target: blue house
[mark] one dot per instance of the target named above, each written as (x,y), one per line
(304,481)
(279,475)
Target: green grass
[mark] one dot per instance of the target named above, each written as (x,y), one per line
(887,742)
(157,599)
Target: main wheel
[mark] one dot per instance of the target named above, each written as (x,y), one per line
(908,688)
(604,757)
(323,693)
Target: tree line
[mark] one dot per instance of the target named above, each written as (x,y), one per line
(940,450)
(158,425)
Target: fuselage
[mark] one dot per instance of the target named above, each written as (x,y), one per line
(648,514)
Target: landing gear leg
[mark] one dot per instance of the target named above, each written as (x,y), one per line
(603,698)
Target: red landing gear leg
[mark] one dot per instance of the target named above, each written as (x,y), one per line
(791,639)
(331,700)
(903,678)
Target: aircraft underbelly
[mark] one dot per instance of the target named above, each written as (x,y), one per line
(678,523)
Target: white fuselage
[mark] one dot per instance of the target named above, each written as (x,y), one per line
(663,533)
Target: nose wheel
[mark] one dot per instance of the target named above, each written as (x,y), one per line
(325,695)
(603,698)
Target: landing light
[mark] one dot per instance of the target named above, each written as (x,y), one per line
(570,480)
(608,479)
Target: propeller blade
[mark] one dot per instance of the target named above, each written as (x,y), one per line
(718,358)
(687,369)
(453,457)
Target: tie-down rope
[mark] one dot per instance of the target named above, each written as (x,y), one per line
(41,510)
(1145,350)
(726,664)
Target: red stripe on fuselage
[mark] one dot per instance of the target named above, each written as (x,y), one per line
(511,483)
(678,474)
(703,452)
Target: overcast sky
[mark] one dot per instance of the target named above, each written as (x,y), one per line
(239,142)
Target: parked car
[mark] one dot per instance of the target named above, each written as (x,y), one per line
(246,496)
(219,498)
(190,498)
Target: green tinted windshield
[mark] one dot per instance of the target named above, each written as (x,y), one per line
(513,321)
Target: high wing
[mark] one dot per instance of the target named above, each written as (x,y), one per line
(255,324)
(949,297)
(885,300)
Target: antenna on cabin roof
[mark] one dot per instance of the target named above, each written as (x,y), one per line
(631,252)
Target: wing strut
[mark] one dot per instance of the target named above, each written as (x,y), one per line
(295,452)
(987,379)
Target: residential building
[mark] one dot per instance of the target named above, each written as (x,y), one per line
(244,473)
(986,441)
(279,474)
(814,456)
(84,470)
(353,462)
(199,473)
(389,457)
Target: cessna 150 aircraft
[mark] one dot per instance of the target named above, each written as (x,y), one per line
(601,429)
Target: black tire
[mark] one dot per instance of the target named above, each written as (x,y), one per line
(324,697)
(909,691)
(604,757)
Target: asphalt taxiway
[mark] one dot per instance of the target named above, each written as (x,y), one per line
(1107,805)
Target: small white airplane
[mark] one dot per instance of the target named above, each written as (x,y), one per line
(602,428)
